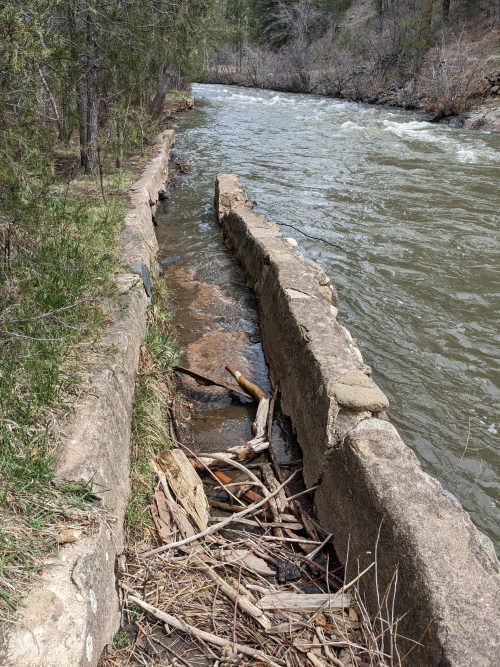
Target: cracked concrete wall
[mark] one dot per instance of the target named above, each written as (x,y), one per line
(72,610)
(373,494)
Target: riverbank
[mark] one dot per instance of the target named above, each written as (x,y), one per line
(87,447)
(57,292)
(483,113)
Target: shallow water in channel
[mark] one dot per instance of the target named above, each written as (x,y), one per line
(413,211)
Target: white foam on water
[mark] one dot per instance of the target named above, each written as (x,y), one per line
(350,125)
(414,129)
(467,155)
(276,100)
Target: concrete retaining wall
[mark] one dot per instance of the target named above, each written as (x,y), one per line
(373,495)
(72,611)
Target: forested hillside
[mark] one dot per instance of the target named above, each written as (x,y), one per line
(430,54)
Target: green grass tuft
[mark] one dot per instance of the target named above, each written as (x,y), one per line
(54,280)
(150,426)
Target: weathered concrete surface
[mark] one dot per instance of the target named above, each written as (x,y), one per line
(373,483)
(72,610)
(297,308)
(373,495)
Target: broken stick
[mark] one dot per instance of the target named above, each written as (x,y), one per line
(238,453)
(218,526)
(259,425)
(237,597)
(204,379)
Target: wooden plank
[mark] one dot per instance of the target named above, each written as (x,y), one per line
(302,602)
(186,485)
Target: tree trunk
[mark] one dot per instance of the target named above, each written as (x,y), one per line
(81,106)
(92,101)
(161,93)
(80,88)
(445,4)
(119,142)
(425,26)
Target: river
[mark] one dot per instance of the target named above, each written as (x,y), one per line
(412,211)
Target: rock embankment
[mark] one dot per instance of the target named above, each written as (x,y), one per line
(72,611)
(431,578)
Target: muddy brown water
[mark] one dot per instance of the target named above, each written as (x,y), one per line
(413,209)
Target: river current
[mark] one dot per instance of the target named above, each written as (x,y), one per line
(413,212)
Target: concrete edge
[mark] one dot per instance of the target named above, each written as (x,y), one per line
(72,610)
(373,494)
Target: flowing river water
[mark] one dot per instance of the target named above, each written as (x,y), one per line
(412,210)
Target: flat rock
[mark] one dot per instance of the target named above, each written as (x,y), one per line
(357,391)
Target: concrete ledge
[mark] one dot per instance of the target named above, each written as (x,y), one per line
(373,494)
(72,611)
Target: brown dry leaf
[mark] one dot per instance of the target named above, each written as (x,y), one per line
(301,644)
(353,616)
(320,619)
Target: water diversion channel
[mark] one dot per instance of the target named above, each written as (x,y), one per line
(412,209)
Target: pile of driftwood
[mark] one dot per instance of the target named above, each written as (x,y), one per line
(242,575)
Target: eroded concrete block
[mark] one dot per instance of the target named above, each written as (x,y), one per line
(380,505)
(357,391)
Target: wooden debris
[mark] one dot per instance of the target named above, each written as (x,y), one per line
(259,425)
(161,516)
(201,634)
(205,380)
(177,513)
(186,485)
(278,504)
(226,479)
(249,560)
(233,589)
(239,453)
(300,602)
(237,596)
(222,524)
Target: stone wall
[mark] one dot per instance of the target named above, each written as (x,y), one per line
(72,611)
(373,494)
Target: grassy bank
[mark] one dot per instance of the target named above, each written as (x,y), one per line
(56,286)
(151,428)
